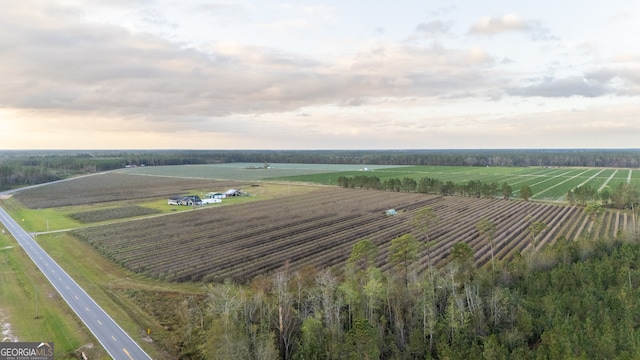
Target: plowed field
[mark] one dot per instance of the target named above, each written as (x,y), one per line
(320,228)
(114,187)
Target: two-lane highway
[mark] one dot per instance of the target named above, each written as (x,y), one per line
(116,342)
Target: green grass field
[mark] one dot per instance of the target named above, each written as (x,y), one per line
(549,184)
(546,183)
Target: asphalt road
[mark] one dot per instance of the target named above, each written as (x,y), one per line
(115,341)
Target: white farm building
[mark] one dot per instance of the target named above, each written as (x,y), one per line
(211,201)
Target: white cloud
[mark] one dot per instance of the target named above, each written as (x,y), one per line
(478,55)
(432,28)
(80,66)
(499,24)
(264,73)
(565,87)
(285,25)
(626,57)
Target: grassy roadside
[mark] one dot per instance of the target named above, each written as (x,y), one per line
(38,219)
(104,281)
(107,283)
(121,293)
(35,310)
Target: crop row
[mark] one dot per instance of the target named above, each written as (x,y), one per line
(113,187)
(94,216)
(263,227)
(320,228)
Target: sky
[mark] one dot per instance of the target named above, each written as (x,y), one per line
(349,74)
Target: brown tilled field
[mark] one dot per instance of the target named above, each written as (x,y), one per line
(320,227)
(114,187)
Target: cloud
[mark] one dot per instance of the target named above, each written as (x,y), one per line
(74,73)
(626,57)
(478,55)
(510,23)
(601,125)
(623,80)
(430,30)
(445,10)
(564,87)
(611,81)
(221,7)
(82,67)
(499,24)
(155,17)
(293,24)
(353,102)
(223,12)
(433,28)
(301,17)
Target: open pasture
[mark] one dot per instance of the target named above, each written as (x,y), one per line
(320,228)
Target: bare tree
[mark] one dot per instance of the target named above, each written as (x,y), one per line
(488,229)
(535,228)
(424,220)
(286,313)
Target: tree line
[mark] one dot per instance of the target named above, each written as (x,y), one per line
(622,196)
(37,167)
(20,168)
(427,185)
(546,304)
